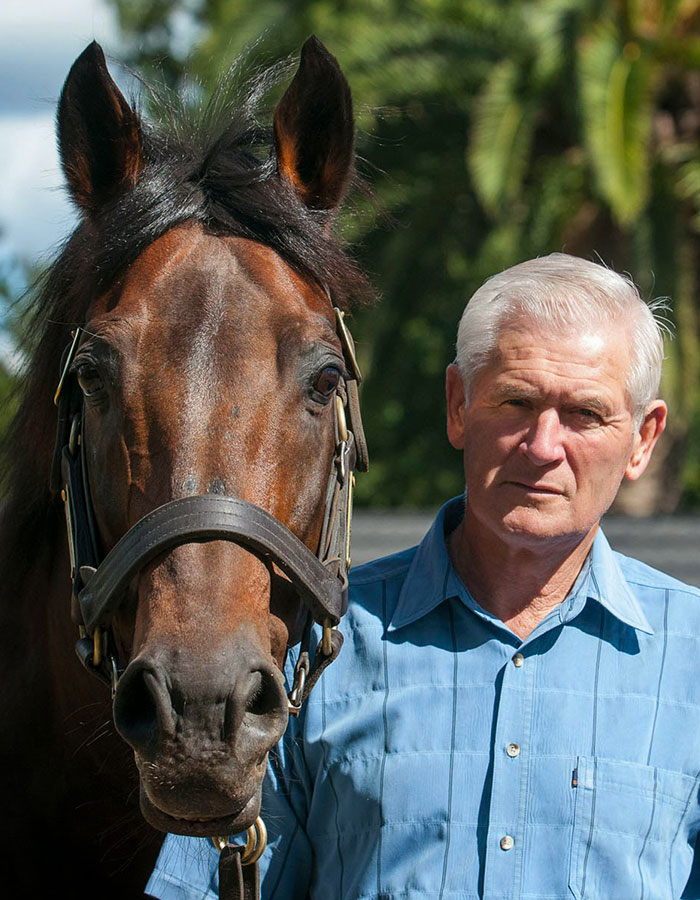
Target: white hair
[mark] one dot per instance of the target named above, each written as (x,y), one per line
(560,292)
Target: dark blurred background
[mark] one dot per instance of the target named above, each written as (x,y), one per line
(490,131)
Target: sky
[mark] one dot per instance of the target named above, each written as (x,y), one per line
(39,40)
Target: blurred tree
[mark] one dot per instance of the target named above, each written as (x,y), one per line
(597,116)
(13,282)
(7,404)
(492,132)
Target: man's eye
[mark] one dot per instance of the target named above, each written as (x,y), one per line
(327,381)
(89,379)
(588,414)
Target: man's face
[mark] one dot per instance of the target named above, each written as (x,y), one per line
(548,434)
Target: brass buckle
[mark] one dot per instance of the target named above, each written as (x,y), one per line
(348,344)
(340,417)
(69,359)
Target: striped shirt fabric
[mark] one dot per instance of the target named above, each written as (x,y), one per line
(442,757)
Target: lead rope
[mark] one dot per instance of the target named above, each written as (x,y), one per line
(237,879)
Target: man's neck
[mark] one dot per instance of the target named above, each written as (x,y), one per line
(518,584)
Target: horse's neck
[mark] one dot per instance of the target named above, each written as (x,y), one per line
(46,693)
(37,654)
(71,773)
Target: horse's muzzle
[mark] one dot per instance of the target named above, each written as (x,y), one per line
(201,728)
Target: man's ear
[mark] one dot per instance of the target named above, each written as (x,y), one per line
(454,388)
(650,431)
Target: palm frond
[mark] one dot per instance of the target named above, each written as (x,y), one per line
(503,126)
(616,95)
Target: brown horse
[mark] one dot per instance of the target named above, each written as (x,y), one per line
(207,363)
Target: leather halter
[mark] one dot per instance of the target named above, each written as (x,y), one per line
(100,584)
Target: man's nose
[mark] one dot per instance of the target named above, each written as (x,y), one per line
(543,442)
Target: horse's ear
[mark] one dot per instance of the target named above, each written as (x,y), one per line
(99,136)
(314,130)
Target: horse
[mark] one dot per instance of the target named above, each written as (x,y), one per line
(193,323)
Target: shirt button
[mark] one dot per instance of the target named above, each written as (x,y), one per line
(507,842)
(518,660)
(513,750)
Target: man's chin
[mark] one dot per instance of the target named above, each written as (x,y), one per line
(233,823)
(537,527)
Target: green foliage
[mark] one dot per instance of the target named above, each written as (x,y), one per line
(617,113)
(689,189)
(499,151)
(491,131)
(8,385)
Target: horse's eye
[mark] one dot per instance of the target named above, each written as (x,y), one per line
(327,381)
(89,379)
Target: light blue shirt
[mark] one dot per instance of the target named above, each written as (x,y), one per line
(442,757)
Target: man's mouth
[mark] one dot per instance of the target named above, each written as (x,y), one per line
(544,489)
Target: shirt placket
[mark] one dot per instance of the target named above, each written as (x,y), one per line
(510,753)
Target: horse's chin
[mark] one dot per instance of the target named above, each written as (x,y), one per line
(233,823)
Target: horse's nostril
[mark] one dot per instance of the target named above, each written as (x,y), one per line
(150,705)
(136,708)
(264,695)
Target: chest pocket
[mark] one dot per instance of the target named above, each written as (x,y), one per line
(634,827)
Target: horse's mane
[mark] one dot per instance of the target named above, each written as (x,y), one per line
(212,164)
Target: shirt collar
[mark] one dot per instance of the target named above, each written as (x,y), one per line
(609,586)
(431,578)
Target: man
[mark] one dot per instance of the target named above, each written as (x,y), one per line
(515,714)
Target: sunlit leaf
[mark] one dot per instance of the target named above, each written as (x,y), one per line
(502,135)
(616,96)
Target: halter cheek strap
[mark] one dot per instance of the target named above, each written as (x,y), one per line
(321,580)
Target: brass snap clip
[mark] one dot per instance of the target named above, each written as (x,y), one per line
(296,695)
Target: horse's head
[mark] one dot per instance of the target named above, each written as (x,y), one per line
(208,363)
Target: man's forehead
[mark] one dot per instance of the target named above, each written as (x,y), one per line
(580,365)
(594,346)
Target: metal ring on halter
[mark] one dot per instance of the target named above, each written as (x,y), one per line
(255,843)
(326,639)
(295,696)
(258,831)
